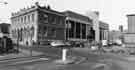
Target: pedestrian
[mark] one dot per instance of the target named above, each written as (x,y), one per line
(100,47)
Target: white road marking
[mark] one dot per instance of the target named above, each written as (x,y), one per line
(99,65)
(2,56)
(27,61)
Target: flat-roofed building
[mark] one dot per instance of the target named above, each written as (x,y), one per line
(77,26)
(104,30)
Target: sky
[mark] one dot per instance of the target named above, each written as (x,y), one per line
(112,12)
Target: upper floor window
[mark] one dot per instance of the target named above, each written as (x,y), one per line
(28,18)
(24,19)
(45,18)
(32,17)
(18,19)
(21,19)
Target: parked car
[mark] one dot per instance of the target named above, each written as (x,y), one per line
(115,49)
(60,44)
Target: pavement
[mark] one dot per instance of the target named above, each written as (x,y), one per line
(23,53)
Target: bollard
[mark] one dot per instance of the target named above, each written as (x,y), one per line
(64,54)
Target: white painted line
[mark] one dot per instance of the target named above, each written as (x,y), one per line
(27,61)
(2,56)
(99,65)
(44,58)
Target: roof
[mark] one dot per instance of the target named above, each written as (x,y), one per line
(4,24)
(103,25)
(52,11)
(4,27)
(77,16)
(41,8)
(131,15)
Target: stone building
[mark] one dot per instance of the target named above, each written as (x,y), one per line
(104,30)
(37,25)
(77,26)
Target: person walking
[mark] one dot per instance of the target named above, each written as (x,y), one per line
(100,47)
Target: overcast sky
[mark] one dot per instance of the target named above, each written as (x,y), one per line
(112,12)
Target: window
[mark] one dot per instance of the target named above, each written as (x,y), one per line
(32,17)
(53,32)
(45,31)
(52,19)
(25,19)
(45,18)
(21,19)
(28,18)
(17,20)
(60,20)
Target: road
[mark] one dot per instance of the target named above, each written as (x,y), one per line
(105,61)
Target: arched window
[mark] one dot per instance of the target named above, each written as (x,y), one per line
(28,18)
(33,17)
(24,19)
(21,19)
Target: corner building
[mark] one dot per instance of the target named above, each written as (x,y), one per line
(37,25)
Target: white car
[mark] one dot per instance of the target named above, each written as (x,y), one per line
(59,43)
(94,48)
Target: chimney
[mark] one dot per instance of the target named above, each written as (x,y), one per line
(48,7)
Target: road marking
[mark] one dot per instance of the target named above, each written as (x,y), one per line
(28,61)
(98,65)
(2,56)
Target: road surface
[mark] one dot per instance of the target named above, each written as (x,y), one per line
(106,61)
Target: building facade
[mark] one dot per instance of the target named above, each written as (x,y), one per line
(37,24)
(104,30)
(77,26)
(129,36)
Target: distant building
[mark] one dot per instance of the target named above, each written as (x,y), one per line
(37,25)
(114,35)
(104,30)
(77,26)
(129,36)
(121,28)
(117,35)
(5,29)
